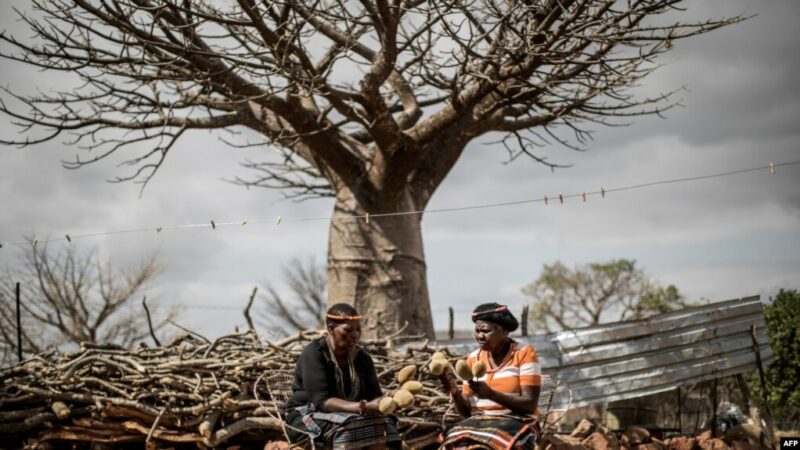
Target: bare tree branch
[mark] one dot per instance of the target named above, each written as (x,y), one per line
(150,322)
(370,101)
(247,313)
(307,283)
(339,85)
(75,297)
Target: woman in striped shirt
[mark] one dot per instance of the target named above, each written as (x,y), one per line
(499,407)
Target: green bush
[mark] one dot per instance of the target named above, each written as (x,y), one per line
(783,374)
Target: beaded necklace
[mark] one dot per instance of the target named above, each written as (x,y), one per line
(354,380)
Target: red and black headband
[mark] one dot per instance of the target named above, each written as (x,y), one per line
(499,309)
(338,317)
(495,313)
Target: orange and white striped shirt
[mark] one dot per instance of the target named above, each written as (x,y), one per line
(520,368)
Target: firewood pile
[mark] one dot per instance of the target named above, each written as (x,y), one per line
(190,393)
(589,435)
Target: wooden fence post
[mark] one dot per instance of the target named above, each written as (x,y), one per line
(714,410)
(680,411)
(764,391)
(451,331)
(524,320)
(745,392)
(19,325)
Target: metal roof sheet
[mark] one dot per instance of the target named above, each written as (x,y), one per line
(630,359)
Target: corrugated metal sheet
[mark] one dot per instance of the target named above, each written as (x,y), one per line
(631,359)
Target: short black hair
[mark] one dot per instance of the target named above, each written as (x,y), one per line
(339,309)
(495,313)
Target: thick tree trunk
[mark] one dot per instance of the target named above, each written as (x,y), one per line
(379,267)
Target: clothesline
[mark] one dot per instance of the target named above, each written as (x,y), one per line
(278,220)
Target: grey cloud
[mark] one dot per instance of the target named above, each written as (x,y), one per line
(740,79)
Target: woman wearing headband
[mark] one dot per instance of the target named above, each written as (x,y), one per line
(336,390)
(499,407)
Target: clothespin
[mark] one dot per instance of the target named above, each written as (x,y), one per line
(278,221)
(69,239)
(583,196)
(213,225)
(158,229)
(772,168)
(560,198)
(366,218)
(545,200)
(603,192)
(244,222)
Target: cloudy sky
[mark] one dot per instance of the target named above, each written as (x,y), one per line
(715,239)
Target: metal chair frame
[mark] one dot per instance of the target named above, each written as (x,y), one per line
(550,387)
(279,387)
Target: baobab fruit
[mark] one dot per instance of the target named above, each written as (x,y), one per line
(415,387)
(438,366)
(439,363)
(406,373)
(478,369)
(439,355)
(462,370)
(387,405)
(403,398)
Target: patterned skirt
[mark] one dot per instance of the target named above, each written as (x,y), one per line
(341,430)
(492,432)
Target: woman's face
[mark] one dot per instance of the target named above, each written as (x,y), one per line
(345,334)
(490,336)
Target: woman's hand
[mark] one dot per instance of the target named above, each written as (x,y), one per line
(481,389)
(449,383)
(372,406)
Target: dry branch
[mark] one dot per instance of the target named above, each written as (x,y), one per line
(187,392)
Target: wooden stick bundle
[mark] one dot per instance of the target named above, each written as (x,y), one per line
(190,391)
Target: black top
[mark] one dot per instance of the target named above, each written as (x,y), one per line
(315,377)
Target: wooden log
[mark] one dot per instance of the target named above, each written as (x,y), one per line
(87,436)
(61,410)
(20,414)
(162,433)
(250,423)
(31,422)
(206,427)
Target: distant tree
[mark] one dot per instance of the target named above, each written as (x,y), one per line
(564,298)
(370,102)
(782,317)
(72,297)
(304,309)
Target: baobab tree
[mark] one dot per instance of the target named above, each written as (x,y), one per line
(372,101)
